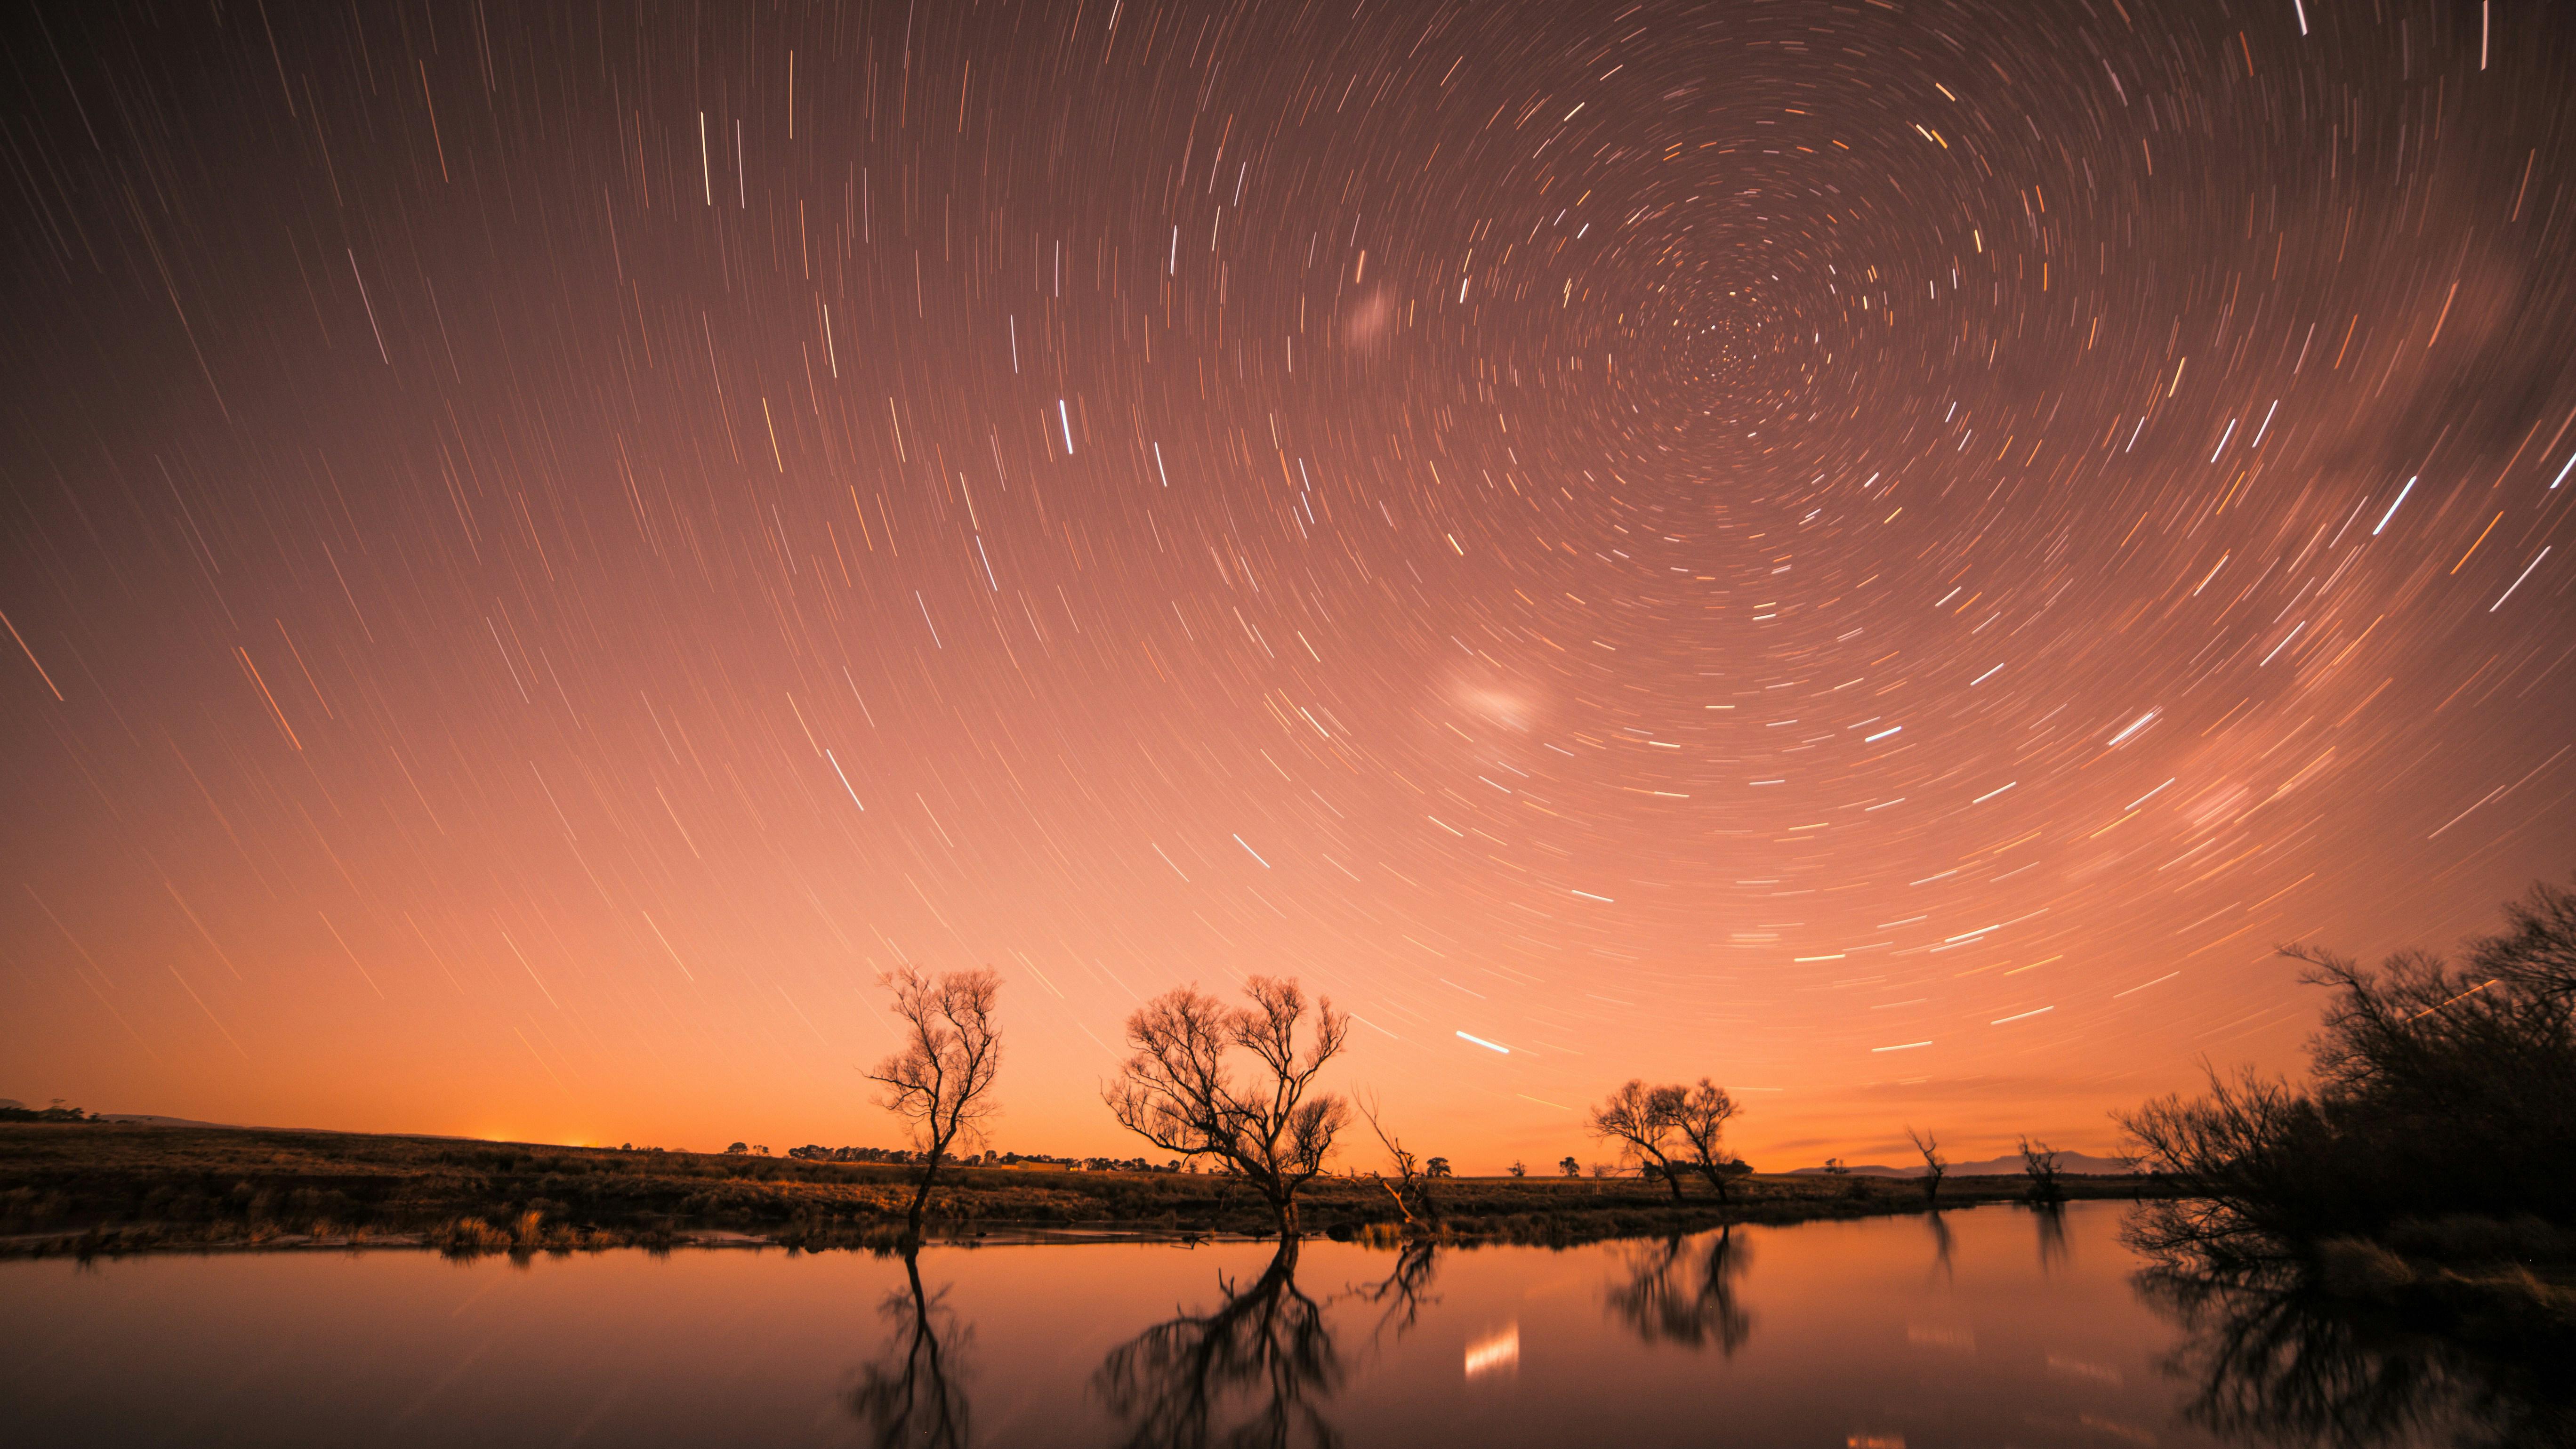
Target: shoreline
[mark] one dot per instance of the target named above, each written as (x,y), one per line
(110,1244)
(112,1241)
(108,1189)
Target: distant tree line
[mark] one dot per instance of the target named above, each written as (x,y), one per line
(14,1111)
(904,1157)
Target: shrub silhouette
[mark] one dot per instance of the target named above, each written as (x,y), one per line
(2439,1089)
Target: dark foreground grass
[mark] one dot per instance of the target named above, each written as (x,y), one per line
(120,1188)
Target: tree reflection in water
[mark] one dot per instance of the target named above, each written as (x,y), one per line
(1403,1295)
(916,1394)
(1255,1371)
(1683,1290)
(2271,1360)
(2052,1236)
(1941,1242)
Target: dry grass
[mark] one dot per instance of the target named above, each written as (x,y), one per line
(129,1187)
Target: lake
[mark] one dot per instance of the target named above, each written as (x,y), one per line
(1997,1326)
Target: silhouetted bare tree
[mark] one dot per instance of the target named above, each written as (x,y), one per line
(940,1081)
(1411,1188)
(1642,1120)
(2243,1158)
(2039,1161)
(1700,1116)
(915,1398)
(2536,955)
(1272,1130)
(1935,1166)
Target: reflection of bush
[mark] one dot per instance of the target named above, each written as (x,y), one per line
(525,1233)
(2271,1356)
(466,1236)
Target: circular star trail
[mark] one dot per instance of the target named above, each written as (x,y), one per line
(1886,553)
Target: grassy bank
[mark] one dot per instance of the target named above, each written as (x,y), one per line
(118,1188)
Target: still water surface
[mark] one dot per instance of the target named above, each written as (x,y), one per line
(1997,1326)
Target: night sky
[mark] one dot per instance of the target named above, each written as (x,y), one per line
(1883,553)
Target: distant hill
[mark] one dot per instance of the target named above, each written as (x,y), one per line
(2010,1163)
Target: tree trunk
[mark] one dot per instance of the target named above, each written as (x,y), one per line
(920,1300)
(921,1196)
(1286,1208)
(1400,1204)
(1673,1180)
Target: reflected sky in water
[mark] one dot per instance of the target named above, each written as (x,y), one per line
(1994,1326)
